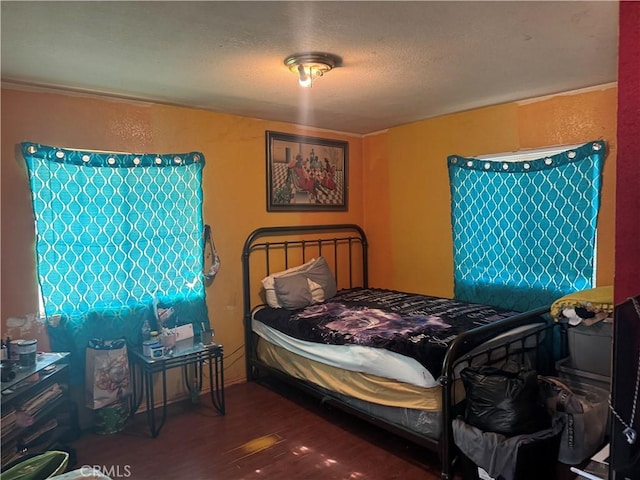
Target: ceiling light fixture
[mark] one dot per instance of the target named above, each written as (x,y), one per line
(311,65)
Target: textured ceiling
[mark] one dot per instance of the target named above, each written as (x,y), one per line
(402,61)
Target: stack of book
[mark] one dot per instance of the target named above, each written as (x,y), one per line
(8,422)
(33,406)
(9,426)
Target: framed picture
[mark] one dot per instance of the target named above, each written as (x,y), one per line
(306,173)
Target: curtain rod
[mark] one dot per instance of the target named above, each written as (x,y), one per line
(527,154)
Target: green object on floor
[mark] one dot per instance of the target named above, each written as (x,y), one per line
(38,467)
(112,418)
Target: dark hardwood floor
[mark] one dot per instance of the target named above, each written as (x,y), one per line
(264,435)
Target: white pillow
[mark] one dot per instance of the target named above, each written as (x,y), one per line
(269,288)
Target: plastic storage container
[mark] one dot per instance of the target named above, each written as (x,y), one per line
(568,371)
(590,348)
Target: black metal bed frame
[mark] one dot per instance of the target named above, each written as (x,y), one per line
(325,240)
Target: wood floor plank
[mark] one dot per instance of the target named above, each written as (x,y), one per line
(265,435)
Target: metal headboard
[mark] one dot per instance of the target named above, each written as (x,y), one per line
(283,247)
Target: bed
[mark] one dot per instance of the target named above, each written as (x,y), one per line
(392,358)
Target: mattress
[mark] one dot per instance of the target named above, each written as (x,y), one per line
(390,334)
(364,386)
(414,408)
(413,325)
(371,379)
(355,358)
(378,382)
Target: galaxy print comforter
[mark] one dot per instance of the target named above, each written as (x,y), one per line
(418,326)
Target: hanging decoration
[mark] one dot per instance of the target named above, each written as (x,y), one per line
(210,255)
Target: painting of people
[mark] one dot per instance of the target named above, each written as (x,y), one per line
(306,173)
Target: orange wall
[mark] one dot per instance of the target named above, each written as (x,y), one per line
(398,184)
(377,213)
(233,182)
(417,245)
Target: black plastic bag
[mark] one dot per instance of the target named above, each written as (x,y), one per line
(505,401)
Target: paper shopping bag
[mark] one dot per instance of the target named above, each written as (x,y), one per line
(107,377)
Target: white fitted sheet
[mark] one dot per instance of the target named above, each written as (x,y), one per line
(374,361)
(357,358)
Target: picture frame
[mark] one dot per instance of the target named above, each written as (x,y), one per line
(306,173)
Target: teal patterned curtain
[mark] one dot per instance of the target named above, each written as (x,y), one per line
(114,232)
(524,232)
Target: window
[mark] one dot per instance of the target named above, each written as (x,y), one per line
(524,231)
(114,232)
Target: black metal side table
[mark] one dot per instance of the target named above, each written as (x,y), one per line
(184,354)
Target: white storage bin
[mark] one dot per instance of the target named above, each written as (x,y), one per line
(590,347)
